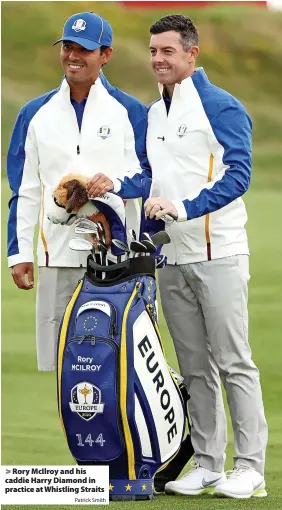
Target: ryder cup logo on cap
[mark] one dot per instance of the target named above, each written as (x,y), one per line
(87,29)
(79,25)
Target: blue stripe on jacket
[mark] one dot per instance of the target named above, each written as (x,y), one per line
(131,187)
(16,161)
(232,128)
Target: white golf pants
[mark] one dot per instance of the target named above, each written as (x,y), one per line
(205,306)
(54,289)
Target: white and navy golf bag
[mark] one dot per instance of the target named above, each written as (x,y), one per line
(119,402)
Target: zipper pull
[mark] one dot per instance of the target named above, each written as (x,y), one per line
(78,150)
(92,339)
(114,330)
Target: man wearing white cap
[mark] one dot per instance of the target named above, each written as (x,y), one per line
(84,126)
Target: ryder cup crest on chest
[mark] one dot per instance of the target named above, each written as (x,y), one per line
(182,131)
(104,132)
(79,25)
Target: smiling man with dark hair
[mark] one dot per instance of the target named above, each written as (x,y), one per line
(199,149)
(206,153)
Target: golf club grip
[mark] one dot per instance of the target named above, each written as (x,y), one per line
(168,218)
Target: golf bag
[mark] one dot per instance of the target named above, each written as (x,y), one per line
(119,402)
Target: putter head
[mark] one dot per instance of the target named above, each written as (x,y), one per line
(80,244)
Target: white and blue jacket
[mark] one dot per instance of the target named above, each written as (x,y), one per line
(47,144)
(199,149)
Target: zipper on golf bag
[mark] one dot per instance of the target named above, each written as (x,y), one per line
(90,398)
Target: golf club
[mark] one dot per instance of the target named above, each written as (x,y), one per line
(161,237)
(147,241)
(102,231)
(151,248)
(122,246)
(132,234)
(104,251)
(80,244)
(85,230)
(137,247)
(161,261)
(168,218)
(85,222)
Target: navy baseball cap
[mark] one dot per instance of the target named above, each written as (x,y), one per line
(87,29)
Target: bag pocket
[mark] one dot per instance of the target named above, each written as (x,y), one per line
(90,399)
(96,317)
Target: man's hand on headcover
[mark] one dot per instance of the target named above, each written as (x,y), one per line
(98,185)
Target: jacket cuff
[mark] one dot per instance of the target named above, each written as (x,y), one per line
(181,211)
(19,258)
(117,185)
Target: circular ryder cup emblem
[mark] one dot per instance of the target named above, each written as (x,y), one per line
(104,132)
(182,131)
(79,25)
(86,400)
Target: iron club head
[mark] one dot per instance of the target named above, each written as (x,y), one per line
(161,237)
(80,244)
(137,247)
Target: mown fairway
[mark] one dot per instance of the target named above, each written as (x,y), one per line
(31,432)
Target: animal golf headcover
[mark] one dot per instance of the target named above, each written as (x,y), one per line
(71,195)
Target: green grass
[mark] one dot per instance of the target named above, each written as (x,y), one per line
(31,432)
(241,52)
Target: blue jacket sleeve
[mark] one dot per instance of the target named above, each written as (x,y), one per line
(15,164)
(233,130)
(22,172)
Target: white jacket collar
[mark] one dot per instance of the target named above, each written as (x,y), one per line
(95,88)
(181,89)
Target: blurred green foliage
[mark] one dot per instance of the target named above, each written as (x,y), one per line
(241,51)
